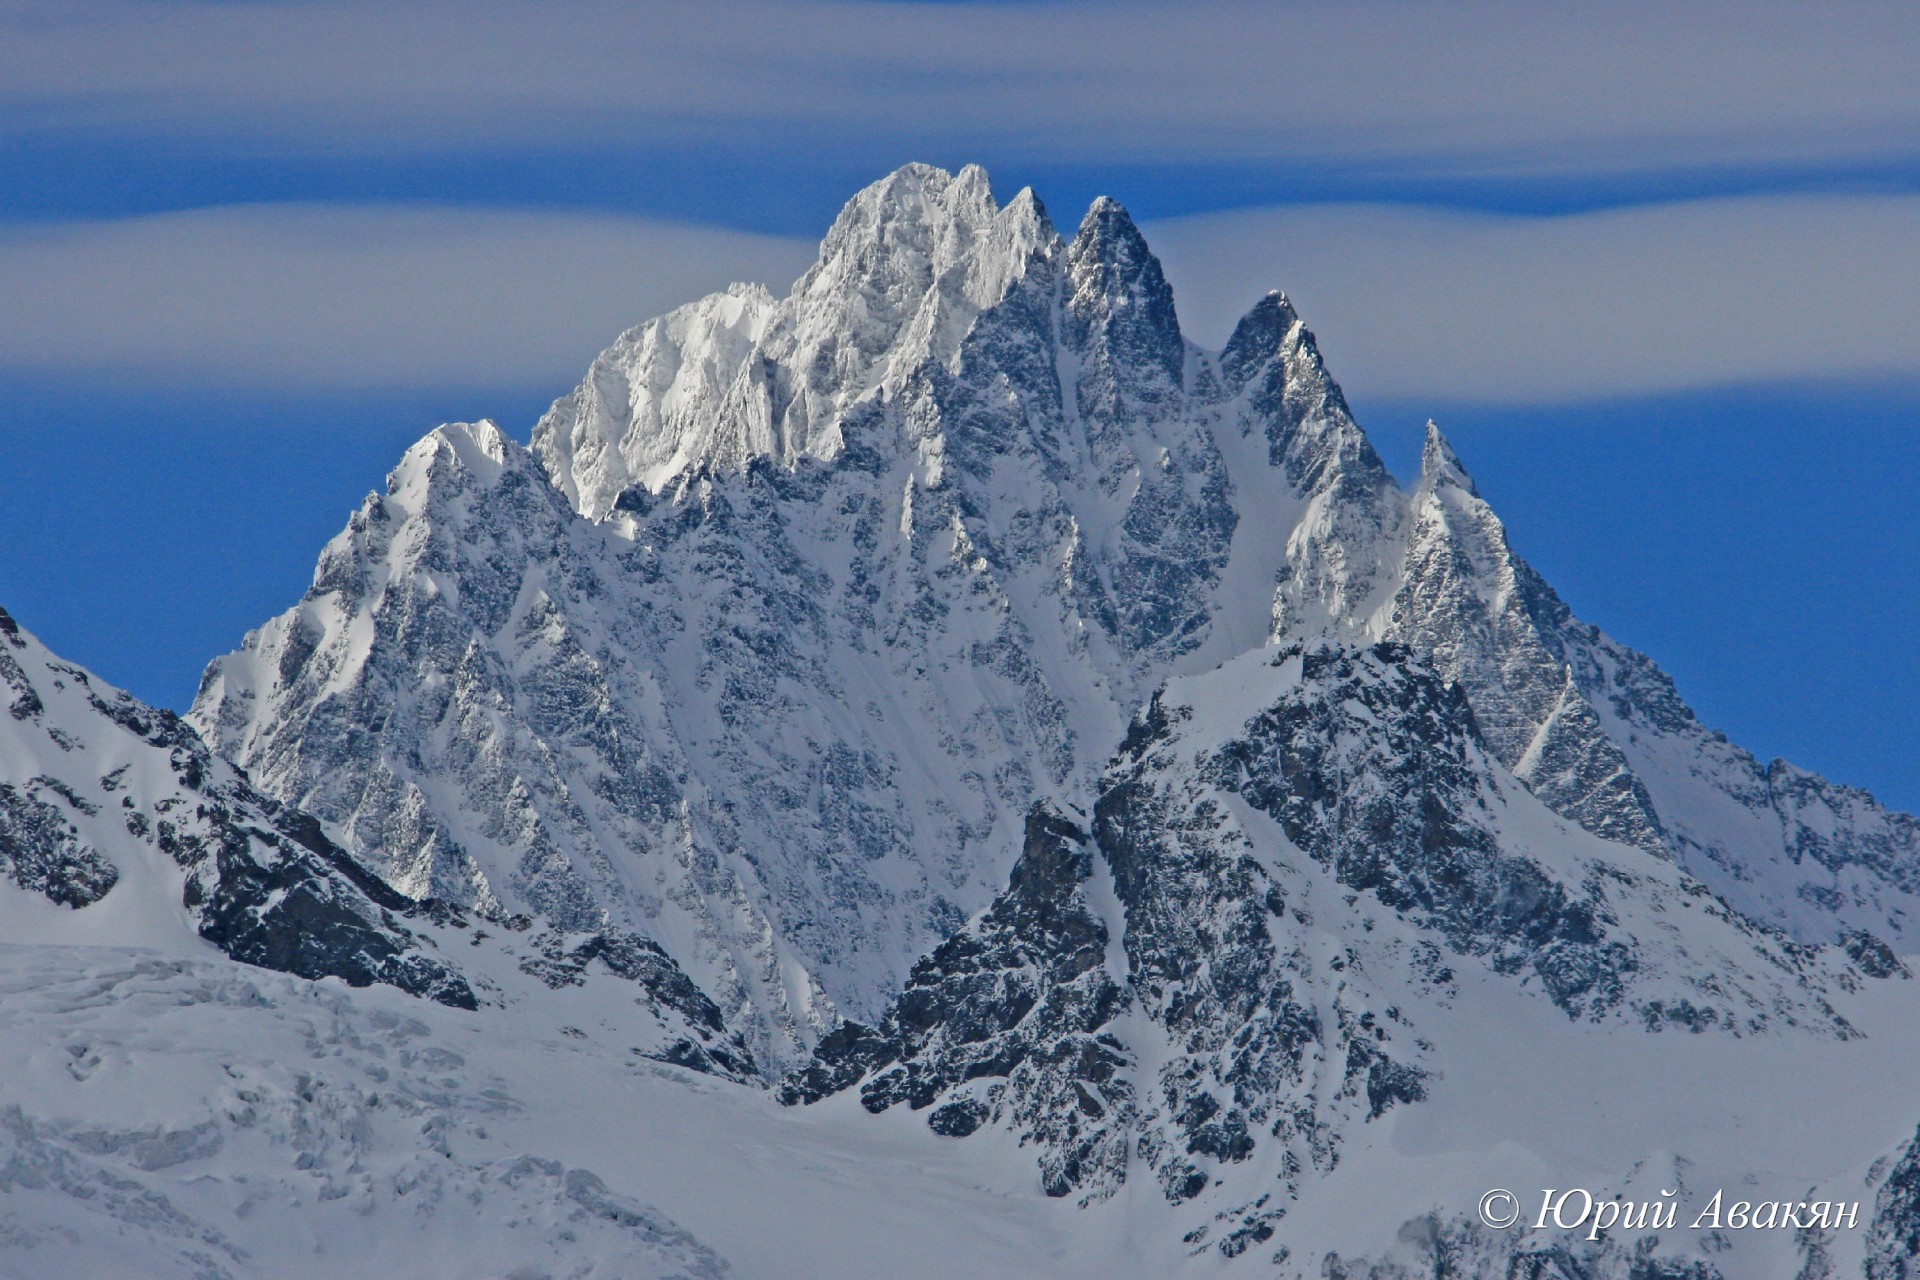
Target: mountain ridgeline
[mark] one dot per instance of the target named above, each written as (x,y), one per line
(947,687)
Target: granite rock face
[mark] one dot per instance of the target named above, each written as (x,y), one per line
(1376,771)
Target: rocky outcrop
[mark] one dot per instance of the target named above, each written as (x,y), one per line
(1376,769)
(42,851)
(1893,1236)
(1009,1022)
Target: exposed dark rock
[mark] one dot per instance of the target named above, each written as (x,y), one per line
(1872,956)
(1004,1023)
(290,914)
(1375,769)
(41,851)
(563,961)
(263,882)
(1893,1236)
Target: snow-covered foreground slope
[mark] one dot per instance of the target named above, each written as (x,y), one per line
(166,1115)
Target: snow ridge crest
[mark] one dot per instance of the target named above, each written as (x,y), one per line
(902,273)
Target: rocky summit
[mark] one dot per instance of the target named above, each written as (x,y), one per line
(937,774)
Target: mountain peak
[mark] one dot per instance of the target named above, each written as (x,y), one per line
(807,692)
(919,179)
(1121,298)
(915,216)
(1028,213)
(1258,336)
(1439,464)
(1109,226)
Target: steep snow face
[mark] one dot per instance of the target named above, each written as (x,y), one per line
(1251,955)
(673,390)
(1783,845)
(784,704)
(1485,620)
(1342,542)
(514,779)
(903,272)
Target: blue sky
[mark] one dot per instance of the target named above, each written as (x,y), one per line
(1656,270)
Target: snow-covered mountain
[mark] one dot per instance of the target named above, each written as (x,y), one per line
(1600,733)
(921,538)
(791,612)
(1016,759)
(1254,947)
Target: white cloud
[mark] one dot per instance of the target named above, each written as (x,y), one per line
(355,297)
(1508,86)
(1427,304)
(1409,303)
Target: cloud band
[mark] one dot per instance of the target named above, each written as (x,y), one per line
(1410,303)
